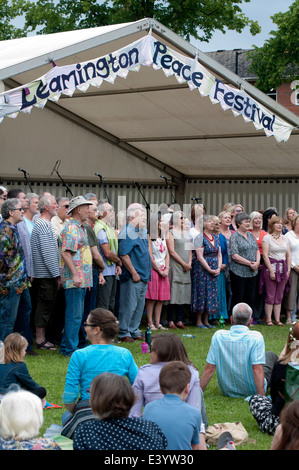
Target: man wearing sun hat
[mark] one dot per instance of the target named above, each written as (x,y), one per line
(76,271)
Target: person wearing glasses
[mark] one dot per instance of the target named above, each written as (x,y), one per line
(85,364)
(60,219)
(14,278)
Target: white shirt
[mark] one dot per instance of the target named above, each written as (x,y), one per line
(294,246)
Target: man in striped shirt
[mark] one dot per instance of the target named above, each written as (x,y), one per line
(45,258)
(238,355)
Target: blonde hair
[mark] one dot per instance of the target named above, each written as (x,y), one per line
(13,346)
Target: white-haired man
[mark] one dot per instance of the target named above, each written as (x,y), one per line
(136,273)
(239,358)
(45,257)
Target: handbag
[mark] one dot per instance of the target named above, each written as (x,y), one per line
(291,386)
(237,430)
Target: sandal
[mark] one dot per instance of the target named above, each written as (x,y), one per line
(43,346)
(269,323)
(152,327)
(278,323)
(160,327)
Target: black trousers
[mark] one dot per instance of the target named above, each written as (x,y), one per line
(243,289)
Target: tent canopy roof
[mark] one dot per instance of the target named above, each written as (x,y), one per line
(149,115)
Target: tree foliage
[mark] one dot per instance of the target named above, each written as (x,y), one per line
(278,60)
(9,11)
(196,18)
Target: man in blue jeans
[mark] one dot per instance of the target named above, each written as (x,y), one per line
(14,277)
(136,273)
(76,271)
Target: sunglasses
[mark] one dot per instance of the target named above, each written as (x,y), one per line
(90,324)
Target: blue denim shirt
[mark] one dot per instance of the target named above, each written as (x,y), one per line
(134,242)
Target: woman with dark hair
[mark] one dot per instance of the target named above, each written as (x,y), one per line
(110,428)
(85,364)
(245,260)
(268,213)
(286,436)
(166,347)
(267,410)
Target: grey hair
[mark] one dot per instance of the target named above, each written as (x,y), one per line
(253,215)
(135,206)
(31,196)
(43,202)
(241,314)
(240,217)
(61,199)
(9,205)
(90,195)
(101,206)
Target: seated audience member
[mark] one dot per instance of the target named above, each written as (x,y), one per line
(180,422)
(286,436)
(85,364)
(14,372)
(238,356)
(166,347)
(111,397)
(266,410)
(21,417)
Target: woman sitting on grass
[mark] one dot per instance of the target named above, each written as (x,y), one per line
(110,428)
(21,417)
(267,410)
(166,347)
(85,364)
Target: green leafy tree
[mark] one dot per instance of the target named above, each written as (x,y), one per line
(278,60)
(187,18)
(10,11)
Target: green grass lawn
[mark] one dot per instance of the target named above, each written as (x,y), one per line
(49,370)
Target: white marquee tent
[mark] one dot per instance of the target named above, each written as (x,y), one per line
(135,102)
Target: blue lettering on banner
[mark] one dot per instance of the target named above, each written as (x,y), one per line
(179,68)
(243,105)
(80,74)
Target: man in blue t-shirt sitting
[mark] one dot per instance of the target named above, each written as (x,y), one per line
(179,421)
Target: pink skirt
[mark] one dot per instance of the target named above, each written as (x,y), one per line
(158,288)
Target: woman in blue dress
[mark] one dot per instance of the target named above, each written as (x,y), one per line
(222,275)
(205,274)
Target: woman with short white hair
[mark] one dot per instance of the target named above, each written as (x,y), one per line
(21,417)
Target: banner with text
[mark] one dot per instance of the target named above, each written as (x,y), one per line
(144,52)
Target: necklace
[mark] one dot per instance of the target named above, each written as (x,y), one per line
(277,237)
(211,240)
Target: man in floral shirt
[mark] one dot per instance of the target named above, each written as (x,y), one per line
(13,274)
(76,271)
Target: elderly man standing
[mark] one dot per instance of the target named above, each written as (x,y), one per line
(238,356)
(31,211)
(60,219)
(108,244)
(136,273)
(13,274)
(23,324)
(76,271)
(45,257)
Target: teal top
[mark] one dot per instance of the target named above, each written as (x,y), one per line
(87,363)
